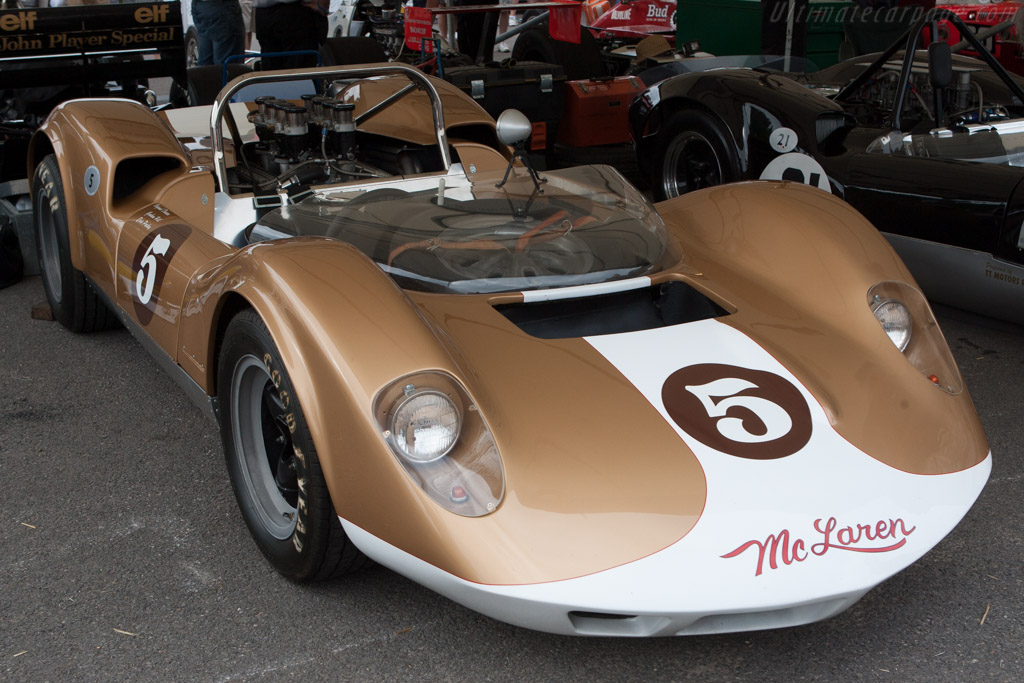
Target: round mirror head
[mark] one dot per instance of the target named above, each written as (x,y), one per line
(513,127)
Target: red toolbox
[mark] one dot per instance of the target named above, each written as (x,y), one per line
(597,110)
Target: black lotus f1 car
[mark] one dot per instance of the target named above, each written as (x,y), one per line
(927,144)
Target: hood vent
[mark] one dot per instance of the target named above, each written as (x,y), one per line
(670,303)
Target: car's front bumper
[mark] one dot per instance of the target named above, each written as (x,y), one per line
(781,541)
(732,572)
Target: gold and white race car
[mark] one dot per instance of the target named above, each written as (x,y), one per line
(539,395)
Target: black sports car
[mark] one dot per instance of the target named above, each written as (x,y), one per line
(927,144)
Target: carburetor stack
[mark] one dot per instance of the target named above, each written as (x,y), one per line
(320,129)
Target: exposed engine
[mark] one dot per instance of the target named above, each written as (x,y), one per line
(963,102)
(290,134)
(317,141)
(385,23)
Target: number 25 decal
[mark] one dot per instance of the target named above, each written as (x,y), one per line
(741,412)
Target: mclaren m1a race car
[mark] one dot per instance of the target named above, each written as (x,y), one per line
(926,144)
(543,397)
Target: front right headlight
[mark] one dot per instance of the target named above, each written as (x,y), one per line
(425,425)
(908,321)
(437,434)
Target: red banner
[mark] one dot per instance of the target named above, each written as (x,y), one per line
(564,22)
(418,25)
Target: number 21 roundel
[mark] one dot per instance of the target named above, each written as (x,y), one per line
(741,412)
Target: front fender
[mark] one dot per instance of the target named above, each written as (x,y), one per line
(344,331)
(747,104)
(796,264)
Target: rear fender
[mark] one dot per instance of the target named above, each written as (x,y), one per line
(90,138)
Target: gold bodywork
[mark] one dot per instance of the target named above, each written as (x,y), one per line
(594,477)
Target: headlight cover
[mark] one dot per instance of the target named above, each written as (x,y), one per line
(907,319)
(436,432)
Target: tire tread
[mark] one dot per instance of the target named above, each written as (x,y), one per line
(331,553)
(81,308)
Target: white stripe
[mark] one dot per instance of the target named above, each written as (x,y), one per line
(578,291)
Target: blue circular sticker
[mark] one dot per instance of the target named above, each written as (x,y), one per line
(92,180)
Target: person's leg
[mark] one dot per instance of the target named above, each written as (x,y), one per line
(289,27)
(203,33)
(229,31)
(247,20)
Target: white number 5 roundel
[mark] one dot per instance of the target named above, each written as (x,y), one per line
(738,411)
(722,395)
(799,168)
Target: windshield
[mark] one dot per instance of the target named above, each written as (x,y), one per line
(586,225)
(988,144)
(666,70)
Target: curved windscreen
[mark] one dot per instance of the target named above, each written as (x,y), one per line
(1000,143)
(449,234)
(793,65)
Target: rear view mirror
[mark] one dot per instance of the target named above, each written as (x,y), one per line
(513,127)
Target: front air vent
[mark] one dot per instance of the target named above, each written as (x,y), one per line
(670,303)
(829,123)
(605,624)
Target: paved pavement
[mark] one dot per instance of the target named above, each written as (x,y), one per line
(122,556)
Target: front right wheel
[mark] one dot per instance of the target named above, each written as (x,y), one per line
(272,461)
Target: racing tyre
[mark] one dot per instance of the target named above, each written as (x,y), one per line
(580,61)
(73,301)
(206,82)
(272,461)
(694,155)
(191,48)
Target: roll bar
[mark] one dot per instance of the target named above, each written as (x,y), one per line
(418,78)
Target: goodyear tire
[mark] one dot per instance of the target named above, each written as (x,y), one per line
(694,154)
(272,460)
(74,303)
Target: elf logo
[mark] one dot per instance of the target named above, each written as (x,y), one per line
(655,12)
(18,21)
(152,14)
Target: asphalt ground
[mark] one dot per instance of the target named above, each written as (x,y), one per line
(123,557)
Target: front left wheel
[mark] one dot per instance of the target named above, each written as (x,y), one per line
(272,461)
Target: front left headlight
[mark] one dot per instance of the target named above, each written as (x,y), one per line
(908,321)
(438,435)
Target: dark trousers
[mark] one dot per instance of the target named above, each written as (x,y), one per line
(220,30)
(289,27)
